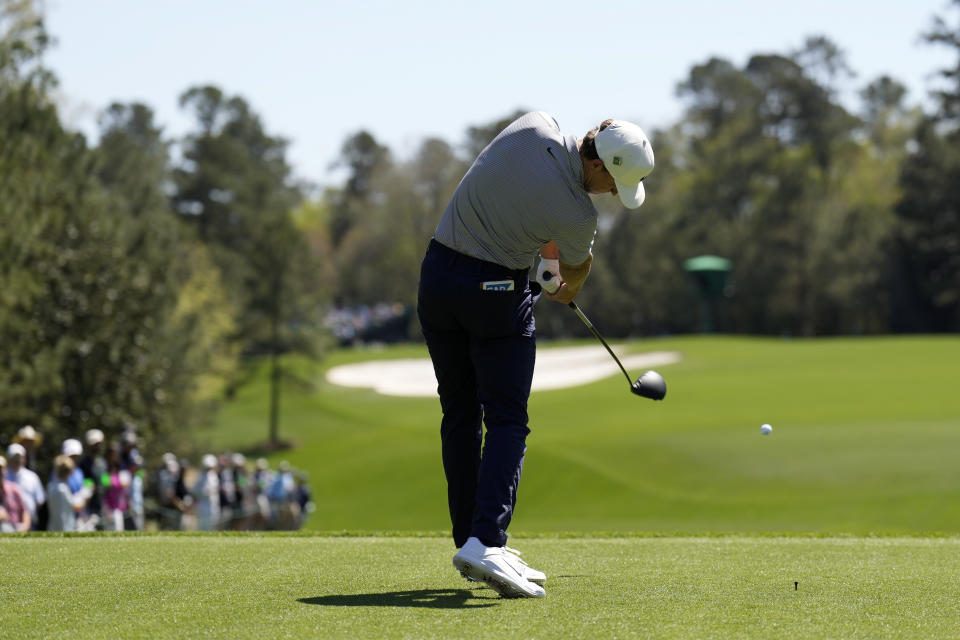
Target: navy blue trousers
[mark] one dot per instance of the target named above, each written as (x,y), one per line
(483,346)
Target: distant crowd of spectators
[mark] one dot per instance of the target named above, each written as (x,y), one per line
(227,493)
(382,322)
(105,487)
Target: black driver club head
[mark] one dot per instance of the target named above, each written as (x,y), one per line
(650,385)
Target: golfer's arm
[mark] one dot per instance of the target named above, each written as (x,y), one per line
(550,251)
(572,275)
(575,275)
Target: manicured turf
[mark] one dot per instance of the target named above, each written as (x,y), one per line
(866,434)
(865,440)
(280,586)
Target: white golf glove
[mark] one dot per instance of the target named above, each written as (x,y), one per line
(553,268)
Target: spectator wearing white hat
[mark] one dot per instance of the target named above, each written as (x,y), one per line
(171,504)
(28,437)
(73,449)
(93,466)
(13,509)
(128,445)
(31,487)
(283,515)
(262,479)
(64,503)
(206,493)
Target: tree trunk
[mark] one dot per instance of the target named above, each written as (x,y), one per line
(275,373)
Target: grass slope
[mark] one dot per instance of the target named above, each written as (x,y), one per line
(865,438)
(279,586)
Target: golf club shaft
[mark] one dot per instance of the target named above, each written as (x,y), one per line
(586,321)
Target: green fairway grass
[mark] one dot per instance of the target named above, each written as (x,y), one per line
(310,586)
(865,439)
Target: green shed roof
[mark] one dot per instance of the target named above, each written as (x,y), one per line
(707,263)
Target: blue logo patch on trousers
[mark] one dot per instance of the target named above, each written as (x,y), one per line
(497,285)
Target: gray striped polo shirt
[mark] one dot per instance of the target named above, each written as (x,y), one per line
(523,190)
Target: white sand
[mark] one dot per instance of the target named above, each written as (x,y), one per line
(556,368)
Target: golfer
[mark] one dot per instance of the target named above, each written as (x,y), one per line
(527,192)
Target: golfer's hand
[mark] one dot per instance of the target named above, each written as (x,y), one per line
(563,295)
(548,274)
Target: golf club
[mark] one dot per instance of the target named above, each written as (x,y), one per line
(649,385)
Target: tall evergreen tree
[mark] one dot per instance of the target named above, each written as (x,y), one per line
(90,316)
(929,213)
(364,159)
(236,188)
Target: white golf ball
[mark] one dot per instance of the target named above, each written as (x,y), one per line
(766,429)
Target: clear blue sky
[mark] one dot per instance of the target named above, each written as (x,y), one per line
(318,71)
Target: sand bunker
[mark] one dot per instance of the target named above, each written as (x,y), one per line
(556,369)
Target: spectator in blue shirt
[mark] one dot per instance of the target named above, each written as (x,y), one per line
(74,450)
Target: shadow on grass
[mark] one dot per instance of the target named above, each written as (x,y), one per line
(425,598)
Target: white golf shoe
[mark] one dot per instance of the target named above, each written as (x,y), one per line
(529,572)
(503,571)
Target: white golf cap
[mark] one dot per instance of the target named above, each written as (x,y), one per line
(72,447)
(628,156)
(209,461)
(170,462)
(16,449)
(27,432)
(94,436)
